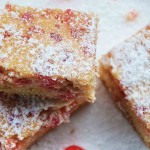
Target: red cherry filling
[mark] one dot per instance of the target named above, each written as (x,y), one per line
(55,122)
(66,95)
(47,82)
(23,81)
(1,70)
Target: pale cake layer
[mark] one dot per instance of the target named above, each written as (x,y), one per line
(126,72)
(45,88)
(47,43)
(22,120)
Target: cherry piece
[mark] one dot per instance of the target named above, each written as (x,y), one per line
(69,15)
(56,37)
(58,16)
(23,81)
(36,30)
(74,147)
(8,7)
(27,16)
(55,121)
(6,34)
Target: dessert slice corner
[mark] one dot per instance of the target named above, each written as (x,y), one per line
(52,52)
(125,71)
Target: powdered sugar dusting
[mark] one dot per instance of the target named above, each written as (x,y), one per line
(62,55)
(59,44)
(23,118)
(70,54)
(130,62)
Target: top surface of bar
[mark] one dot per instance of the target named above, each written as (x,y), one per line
(21,118)
(130,64)
(48,42)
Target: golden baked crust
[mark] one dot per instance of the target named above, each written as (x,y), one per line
(126,72)
(24,121)
(47,48)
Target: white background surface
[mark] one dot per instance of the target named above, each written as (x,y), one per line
(99,126)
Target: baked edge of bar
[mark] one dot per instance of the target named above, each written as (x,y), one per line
(27,142)
(124,105)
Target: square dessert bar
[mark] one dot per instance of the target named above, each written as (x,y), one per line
(125,71)
(47,52)
(23,121)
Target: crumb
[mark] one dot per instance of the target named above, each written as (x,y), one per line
(132,15)
(72,131)
(148,27)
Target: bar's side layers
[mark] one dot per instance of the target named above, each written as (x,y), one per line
(24,121)
(126,72)
(48,52)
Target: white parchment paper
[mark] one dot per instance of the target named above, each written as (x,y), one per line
(99,126)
